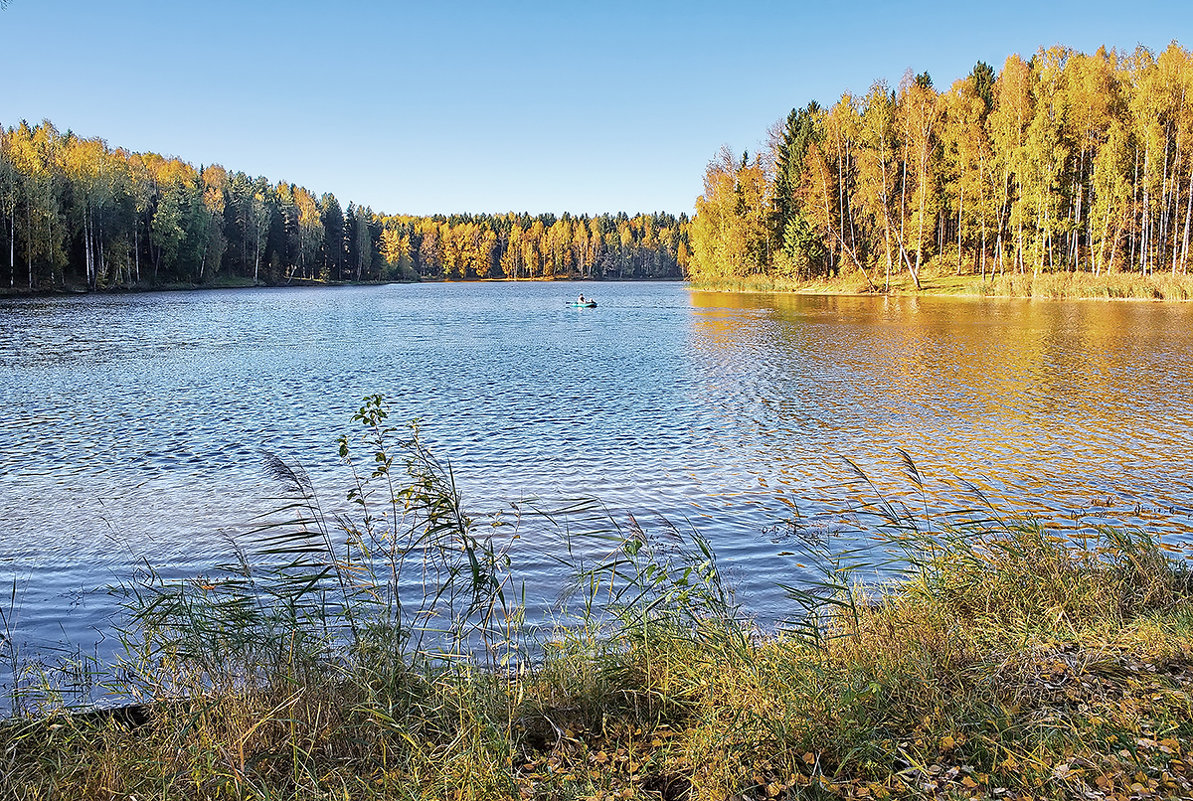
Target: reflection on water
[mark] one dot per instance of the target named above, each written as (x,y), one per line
(1046,406)
(133,425)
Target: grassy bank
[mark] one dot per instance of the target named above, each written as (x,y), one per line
(1002,661)
(936,281)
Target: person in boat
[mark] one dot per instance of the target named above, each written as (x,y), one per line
(582,301)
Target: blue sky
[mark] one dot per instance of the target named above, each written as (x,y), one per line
(489,106)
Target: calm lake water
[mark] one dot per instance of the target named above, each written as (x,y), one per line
(133,426)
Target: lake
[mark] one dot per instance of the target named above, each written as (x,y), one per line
(134,425)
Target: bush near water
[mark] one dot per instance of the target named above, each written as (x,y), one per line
(1005,661)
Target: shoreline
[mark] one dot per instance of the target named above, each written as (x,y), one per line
(71,291)
(1026,286)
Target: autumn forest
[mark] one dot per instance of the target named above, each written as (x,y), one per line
(1064,162)
(77,213)
(1061,162)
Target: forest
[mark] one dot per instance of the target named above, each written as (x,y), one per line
(1065,162)
(79,214)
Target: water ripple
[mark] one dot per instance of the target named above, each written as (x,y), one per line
(134,425)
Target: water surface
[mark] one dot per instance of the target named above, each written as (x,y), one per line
(133,426)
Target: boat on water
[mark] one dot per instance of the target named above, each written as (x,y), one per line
(588,304)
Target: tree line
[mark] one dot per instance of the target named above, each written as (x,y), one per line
(76,212)
(1064,161)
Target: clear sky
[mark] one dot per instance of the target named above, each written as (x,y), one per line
(442,106)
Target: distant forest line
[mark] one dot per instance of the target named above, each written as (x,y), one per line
(1063,162)
(75,212)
